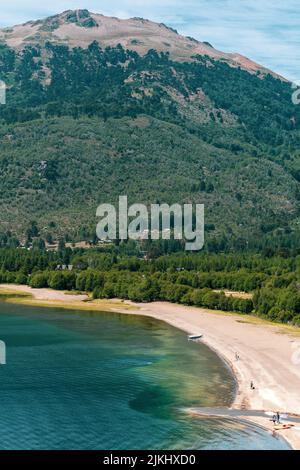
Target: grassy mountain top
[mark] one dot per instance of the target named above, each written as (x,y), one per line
(79,28)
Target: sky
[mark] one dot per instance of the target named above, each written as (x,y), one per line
(267,31)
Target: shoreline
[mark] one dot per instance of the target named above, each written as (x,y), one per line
(265,350)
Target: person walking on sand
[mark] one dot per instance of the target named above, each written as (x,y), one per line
(274,419)
(278,417)
(252,385)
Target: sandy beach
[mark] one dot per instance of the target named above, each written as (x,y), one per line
(268,354)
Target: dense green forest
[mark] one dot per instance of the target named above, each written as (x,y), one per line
(194,279)
(82,126)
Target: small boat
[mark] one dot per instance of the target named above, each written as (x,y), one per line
(194,337)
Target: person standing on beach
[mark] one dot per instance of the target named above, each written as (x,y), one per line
(278,417)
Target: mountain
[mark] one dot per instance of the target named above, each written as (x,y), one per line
(79,28)
(85,124)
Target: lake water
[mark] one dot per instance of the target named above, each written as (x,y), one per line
(85,380)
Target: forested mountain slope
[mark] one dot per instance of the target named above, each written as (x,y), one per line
(85,124)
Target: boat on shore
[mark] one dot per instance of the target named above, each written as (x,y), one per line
(194,337)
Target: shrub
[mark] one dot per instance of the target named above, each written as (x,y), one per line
(39,280)
(62,280)
(21,278)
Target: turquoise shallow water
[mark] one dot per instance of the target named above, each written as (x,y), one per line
(84,380)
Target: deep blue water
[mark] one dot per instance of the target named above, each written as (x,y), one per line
(85,380)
